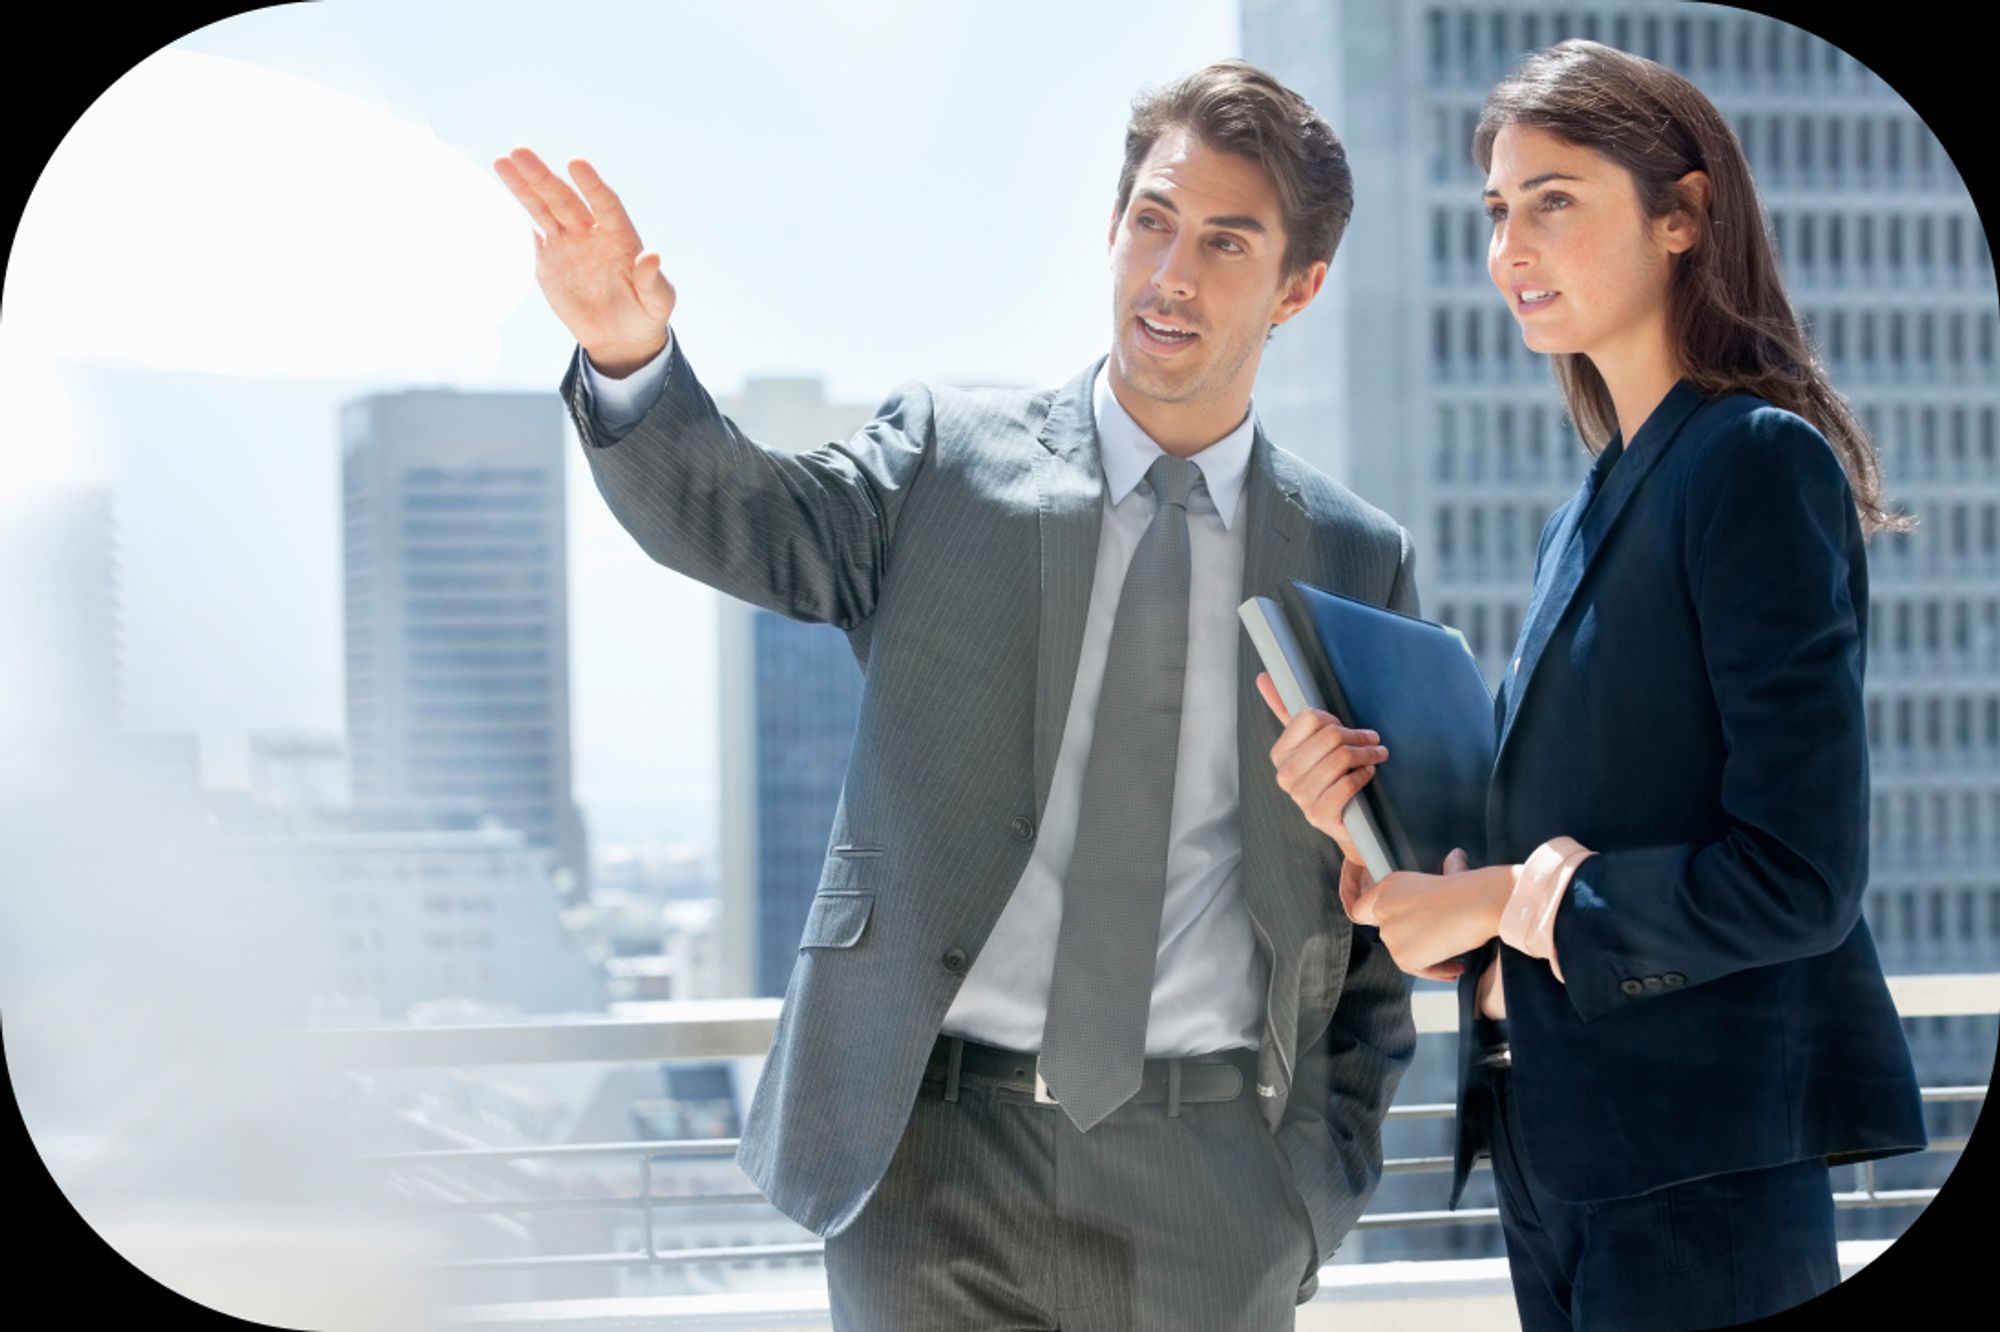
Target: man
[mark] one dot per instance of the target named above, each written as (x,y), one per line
(1078,1035)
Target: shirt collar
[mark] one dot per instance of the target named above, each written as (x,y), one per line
(1127,451)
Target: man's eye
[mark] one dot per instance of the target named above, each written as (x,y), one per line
(1227,245)
(1148,221)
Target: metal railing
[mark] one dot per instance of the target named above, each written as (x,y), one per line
(718,1029)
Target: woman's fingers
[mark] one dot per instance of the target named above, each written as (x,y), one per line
(1271,698)
(1324,756)
(1354,880)
(1362,909)
(1456,862)
(1325,810)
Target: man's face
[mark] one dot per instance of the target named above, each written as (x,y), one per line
(1196,259)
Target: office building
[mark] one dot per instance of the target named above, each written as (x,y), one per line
(456,611)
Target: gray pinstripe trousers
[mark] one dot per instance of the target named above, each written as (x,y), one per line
(997,1214)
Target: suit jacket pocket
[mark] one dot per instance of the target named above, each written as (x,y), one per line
(837,920)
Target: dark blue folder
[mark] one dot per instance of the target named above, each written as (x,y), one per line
(1416,685)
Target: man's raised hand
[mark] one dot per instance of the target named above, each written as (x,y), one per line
(607,290)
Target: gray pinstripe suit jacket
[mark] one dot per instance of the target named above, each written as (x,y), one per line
(954,540)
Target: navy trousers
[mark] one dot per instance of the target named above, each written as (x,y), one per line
(1707,1253)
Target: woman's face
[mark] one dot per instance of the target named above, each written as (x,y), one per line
(1580,265)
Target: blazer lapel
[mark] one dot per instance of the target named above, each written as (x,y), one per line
(1070,477)
(1586,527)
(1277,548)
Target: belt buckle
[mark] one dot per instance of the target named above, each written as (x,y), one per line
(1042,1096)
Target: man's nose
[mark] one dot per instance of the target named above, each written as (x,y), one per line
(1175,275)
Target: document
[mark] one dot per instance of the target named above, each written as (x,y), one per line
(1412,682)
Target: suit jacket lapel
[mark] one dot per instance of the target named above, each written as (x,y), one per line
(1586,527)
(1070,477)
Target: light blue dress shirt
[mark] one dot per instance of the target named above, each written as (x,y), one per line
(1209,982)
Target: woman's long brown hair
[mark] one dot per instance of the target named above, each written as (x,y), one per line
(1728,316)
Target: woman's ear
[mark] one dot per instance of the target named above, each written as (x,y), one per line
(1684,225)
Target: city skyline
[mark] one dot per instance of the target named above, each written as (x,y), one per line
(226,484)
(258,648)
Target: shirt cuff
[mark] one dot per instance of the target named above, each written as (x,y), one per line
(618,404)
(1528,921)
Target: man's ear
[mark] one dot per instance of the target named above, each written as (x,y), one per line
(1111,232)
(1297,292)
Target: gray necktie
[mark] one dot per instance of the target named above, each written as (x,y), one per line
(1094,1042)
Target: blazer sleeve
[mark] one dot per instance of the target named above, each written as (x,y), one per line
(807,535)
(1358,1060)
(1776,572)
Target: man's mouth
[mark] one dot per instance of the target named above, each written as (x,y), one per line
(1163,336)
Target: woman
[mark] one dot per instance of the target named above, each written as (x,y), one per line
(1687,1022)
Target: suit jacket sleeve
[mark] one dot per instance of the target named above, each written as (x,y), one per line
(1359,1059)
(807,535)
(1773,553)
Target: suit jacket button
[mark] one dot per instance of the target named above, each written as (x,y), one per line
(954,961)
(1022,828)
(1673,978)
(1630,985)
(1653,983)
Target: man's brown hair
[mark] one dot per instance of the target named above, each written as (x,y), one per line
(1237,108)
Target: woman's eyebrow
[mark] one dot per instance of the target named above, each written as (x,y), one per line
(1533,182)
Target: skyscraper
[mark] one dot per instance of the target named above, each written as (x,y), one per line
(1409,380)
(456,610)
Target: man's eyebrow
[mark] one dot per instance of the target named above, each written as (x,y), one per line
(1233,221)
(1533,182)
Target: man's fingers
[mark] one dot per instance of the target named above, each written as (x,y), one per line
(517,185)
(656,294)
(561,200)
(1456,862)
(602,199)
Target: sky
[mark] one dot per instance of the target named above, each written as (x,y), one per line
(296,206)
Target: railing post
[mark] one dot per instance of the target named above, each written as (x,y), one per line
(646,1202)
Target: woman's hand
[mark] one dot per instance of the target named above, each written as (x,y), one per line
(1427,920)
(1321,764)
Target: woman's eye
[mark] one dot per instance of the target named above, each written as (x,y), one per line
(1495,212)
(1549,202)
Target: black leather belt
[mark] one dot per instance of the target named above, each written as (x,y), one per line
(1221,1076)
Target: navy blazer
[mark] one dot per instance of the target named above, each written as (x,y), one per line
(1685,700)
